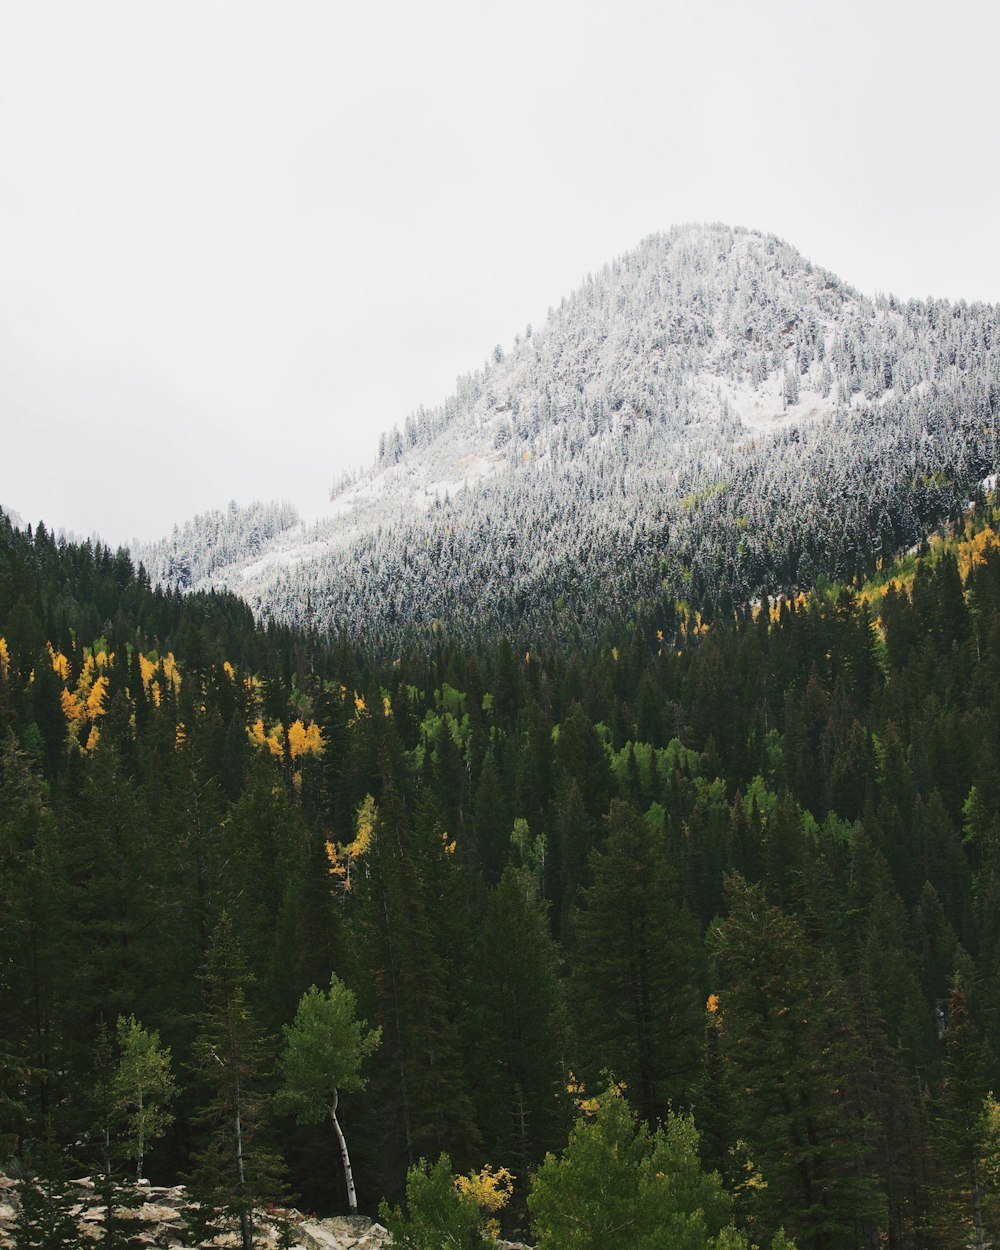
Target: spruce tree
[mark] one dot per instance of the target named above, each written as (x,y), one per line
(637,975)
(32,943)
(234,1170)
(794,1055)
(520,1027)
(422,1080)
(963,1139)
(47,1219)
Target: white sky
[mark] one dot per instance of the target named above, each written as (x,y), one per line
(237,239)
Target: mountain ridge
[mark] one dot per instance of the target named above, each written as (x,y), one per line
(710,417)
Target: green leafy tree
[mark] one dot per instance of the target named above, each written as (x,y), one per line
(440,1216)
(324,1049)
(620,1185)
(142,1087)
(120,1226)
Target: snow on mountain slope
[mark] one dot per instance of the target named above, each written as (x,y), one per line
(710,417)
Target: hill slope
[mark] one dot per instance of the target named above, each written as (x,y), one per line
(711,417)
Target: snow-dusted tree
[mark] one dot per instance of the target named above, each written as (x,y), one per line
(711,417)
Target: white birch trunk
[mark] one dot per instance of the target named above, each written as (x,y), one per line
(142,1141)
(352,1197)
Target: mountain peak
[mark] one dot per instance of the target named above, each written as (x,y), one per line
(710,417)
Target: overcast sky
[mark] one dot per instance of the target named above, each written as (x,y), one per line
(238,240)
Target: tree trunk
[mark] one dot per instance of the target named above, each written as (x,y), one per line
(142,1144)
(977,1206)
(246,1225)
(352,1197)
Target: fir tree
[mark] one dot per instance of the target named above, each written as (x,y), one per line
(793,1050)
(964,1136)
(520,1028)
(235,1172)
(422,1083)
(637,973)
(47,1219)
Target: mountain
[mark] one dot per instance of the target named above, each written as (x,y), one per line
(711,418)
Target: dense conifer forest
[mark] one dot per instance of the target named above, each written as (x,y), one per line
(738,875)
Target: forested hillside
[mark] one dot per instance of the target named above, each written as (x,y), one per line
(711,418)
(750,869)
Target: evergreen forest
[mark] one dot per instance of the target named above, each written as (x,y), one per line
(715,894)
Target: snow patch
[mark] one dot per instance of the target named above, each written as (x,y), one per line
(762,408)
(361,509)
(468,470)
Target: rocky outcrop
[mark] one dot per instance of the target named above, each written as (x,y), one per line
(163,1211)
(343,1232)
(8,1208)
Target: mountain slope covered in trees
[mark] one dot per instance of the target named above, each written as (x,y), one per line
(751,871)
(711,418)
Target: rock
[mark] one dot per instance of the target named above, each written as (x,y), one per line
(343,1232)
(158,1213)
(163,1209)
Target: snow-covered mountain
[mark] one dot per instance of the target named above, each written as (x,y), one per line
(709,418)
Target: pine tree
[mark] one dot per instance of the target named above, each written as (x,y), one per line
(520,1026)
(123,1226)
(111,869)
(234,1171)
(422,1080)
(46,1219)
(492,821)
(963,1136)
(32,933)
(637,968)
(793,1051)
